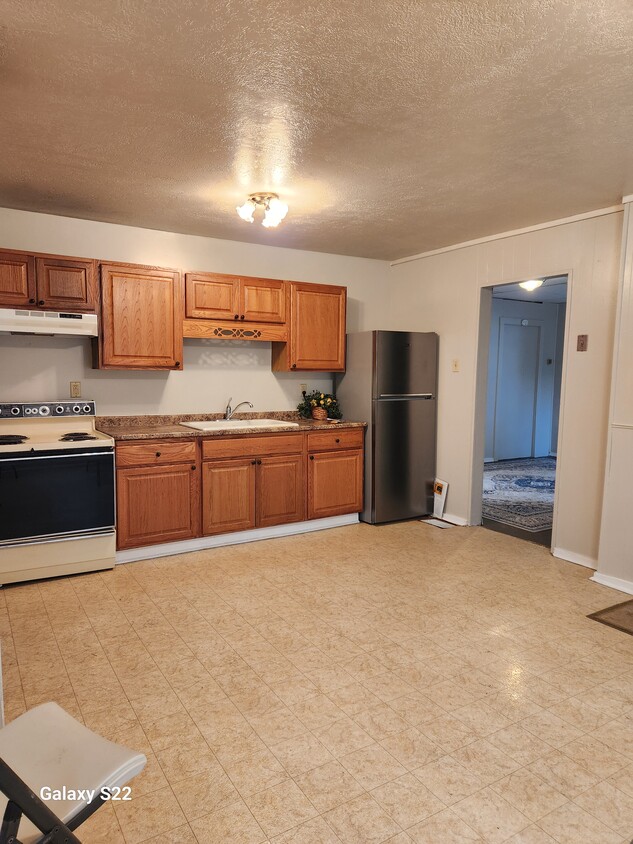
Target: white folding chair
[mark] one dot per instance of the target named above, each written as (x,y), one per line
(45,751)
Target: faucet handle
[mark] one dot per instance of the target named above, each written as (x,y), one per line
(228,404)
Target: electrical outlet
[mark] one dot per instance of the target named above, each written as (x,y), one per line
(75,389)
(303,388)
(455,364)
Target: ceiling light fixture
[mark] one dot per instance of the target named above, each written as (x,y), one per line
(531,284)
(274,209)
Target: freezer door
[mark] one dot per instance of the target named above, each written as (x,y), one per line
(403,452)
(405,363)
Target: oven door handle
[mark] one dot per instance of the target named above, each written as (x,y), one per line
(35,456)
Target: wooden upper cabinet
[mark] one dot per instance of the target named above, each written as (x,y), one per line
(66,284)
(317,329)
(141,317)
(211,296)
(231,297)
(51,282)
(262,300)
(17,280)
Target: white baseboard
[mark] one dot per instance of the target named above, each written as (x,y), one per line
(169,549)
(573,557)
(455,520)
(614,582)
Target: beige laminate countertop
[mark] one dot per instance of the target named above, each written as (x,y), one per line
(123,428)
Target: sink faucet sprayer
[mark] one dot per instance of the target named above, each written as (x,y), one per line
(228,413)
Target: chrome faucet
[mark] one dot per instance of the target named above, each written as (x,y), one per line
(228,413)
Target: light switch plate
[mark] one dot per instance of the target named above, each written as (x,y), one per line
(455,365)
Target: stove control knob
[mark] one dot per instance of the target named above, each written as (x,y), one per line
(15,411)
(76,408)
(59,409)
(45,410)
(86,408)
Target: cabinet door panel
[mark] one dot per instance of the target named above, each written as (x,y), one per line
(335,483)
(211,296)
(262,300)
(68,285)
(17,280)
(157,504)
(280,490)
(141,317)
(228,495)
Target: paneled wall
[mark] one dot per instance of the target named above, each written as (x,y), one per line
(442,293)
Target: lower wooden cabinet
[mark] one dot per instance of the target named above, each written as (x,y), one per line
(280,490)
(157,504)
(240,494)
(228,495)
(335,483)
(165,494)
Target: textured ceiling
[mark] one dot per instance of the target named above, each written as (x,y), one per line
(390,128)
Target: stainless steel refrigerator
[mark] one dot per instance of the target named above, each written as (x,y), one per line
(391,383)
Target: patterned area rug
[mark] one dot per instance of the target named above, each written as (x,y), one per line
(520,492)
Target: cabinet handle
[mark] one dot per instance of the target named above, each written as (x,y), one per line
(253,462)
(177,363)
(242,317)
(259,462)
(41,302)
(193,468)
(337,440)
(294,366)
(31,301)
(158,454)
(237,316)
(312,457)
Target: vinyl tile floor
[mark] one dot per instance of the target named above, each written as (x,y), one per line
(360,685)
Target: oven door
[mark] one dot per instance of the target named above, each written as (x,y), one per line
(50,494)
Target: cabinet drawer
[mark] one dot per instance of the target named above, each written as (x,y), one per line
(155,453)
(334,440)
(260,446)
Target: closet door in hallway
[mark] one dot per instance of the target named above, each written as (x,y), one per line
(517,388)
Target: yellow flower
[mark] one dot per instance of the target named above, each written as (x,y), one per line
(322,396)
(329,401)
(321,402)
(313,402)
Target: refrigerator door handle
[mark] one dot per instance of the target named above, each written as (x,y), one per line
(406,396)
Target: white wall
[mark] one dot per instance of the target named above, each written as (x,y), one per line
(442,293)
(547,314)
(39,368)
(615,567)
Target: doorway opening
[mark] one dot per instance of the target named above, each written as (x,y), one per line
(524,371)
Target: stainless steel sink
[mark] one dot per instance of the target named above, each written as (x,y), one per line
(239,424)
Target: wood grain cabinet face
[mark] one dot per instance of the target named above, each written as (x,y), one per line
(157,504)
(141,318)
(335,483)
(211,296)
(262,300)
(228,495)
(66,285)
(280,490)
(17,280)
(317,330)
(230,297)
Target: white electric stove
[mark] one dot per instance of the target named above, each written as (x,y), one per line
(57,500)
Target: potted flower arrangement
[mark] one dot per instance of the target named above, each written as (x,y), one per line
(318,405)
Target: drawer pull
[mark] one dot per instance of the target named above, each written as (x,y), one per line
(312,457)
(259,462)
(158,454)
(193,468)
(337,440)
(253,462)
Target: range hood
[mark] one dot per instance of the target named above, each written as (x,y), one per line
(20,321)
